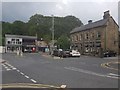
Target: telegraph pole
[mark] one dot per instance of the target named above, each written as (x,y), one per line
(52,34)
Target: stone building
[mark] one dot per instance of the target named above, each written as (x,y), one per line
(96,37)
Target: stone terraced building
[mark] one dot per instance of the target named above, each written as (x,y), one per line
(96,37)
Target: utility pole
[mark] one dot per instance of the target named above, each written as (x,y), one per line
(52,34)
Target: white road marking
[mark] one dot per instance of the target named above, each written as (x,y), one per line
(14,68)
(26,76)
(63,86)
(33,80)
(8,69)
(90,72)
(5,67)
(114,74)
(83,71)
(18,70)
(22,73)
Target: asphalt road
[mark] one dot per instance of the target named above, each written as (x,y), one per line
(83,72)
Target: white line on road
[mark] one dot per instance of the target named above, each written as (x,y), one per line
(18,70)
(22,73)
(33,80)
(26,76)
(89,72)
(114,74)
(14,68)
(83,71)
(8,69)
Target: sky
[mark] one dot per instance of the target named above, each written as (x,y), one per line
(84,10)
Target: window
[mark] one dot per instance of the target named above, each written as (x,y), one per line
(77,37)
(13,39)
(81,37)
(92,35)
(86,36)
(17,39)
(8,42)
(98,34)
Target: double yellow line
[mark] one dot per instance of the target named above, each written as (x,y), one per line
(27,85)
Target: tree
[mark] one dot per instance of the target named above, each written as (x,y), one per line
(47,39)
(63,42)
(40,25)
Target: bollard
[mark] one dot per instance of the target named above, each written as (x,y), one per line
(21,53)
(17,52)
(63,86)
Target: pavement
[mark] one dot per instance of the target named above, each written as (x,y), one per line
(38,68)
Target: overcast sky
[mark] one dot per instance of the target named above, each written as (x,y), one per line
(89,10)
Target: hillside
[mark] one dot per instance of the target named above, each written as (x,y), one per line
(40,25)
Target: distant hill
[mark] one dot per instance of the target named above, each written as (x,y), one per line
(40,25)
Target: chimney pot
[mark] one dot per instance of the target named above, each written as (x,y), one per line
(106,14)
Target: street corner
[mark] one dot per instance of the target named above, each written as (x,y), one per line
(111,65)
(2,61)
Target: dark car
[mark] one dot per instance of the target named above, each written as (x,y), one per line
(109,54)
(55,52)
(61,53)
(64,53)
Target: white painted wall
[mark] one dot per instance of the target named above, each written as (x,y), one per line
(2,49)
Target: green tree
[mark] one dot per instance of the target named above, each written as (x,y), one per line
(63,42)
(47,38)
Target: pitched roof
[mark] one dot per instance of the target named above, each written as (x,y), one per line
(90,25)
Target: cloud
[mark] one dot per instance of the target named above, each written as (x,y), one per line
(12,11)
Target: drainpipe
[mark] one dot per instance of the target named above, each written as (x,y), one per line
(105,40)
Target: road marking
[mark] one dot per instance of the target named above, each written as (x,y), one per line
(18,70)
(107,65)
(22,73)
(84,71)
(63,86)
(8,69)
(26,76)
(114,74)
(33,80)
(14,68)
(90,72)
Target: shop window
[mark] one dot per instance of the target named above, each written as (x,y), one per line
(13,39)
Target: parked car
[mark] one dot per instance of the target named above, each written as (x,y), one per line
(64,53)
(27,51)
(74,53)
(109,54)
(55,52)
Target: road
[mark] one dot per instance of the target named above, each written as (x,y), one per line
(83,72)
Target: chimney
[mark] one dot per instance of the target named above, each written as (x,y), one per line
(106,14)
(90,21)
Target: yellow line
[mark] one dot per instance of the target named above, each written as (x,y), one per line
(27,85)
(107,65)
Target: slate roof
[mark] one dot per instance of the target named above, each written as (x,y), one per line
(90,25)
(20,36)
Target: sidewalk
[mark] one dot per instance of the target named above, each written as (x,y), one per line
(2,61)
